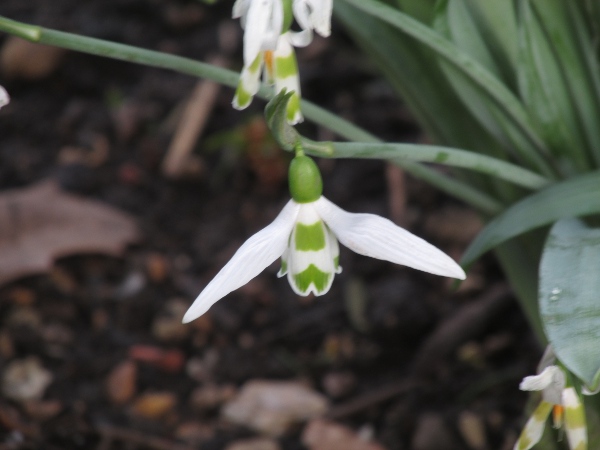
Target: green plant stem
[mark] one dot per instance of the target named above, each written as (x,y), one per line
(442,155)
(99,47)
(471,68)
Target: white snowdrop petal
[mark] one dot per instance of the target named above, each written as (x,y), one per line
(575,425)
(534,428)
(4,98)
(321,16)
(240,8)
(257,24)
(551,381)
(257,253)
(374,236)
(302,14)
(300,38)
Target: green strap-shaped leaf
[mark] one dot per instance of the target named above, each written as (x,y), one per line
(471,68)
(545,80)
(575,197)
(568,295)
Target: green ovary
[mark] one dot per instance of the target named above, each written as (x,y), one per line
(312,275)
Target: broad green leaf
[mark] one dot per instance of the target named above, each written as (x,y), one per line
(575,197)
(568,296)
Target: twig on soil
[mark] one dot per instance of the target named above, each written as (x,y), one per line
(111,433)
(191,125)
(396,183)
(370,399)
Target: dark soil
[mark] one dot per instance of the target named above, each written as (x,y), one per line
(392,367)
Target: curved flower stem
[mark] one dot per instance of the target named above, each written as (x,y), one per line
(458,189)
(442,155)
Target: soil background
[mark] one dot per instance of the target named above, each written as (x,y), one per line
(404,360)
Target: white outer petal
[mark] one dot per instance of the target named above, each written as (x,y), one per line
(4,98)
(374,236)
(240,8)
(257,27)
(257,253)
(300,38)
(551,381)
(321,16)
(302,14)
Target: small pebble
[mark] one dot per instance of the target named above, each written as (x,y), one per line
(271,407)
(254,444)
(25,379)
(167,327)
(472,430)
(121,383)
(211,396)
(322,434)
(433,434)
(339,384)
(195,432)
(154,405)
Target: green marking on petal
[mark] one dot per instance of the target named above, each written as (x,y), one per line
(575,417)
(542,411)
(285,66)
(242,97)
(524,442)
(284,268)
(256,64)
(336,262)
(310,237)
(293,108)
(312,275)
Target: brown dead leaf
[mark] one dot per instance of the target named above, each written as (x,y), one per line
(41,223)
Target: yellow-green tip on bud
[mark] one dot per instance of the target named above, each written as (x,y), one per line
(306,184)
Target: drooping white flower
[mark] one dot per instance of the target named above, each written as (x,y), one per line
(314,14)
(4,98)
(305,236)
(268,45)
(280,69)
(262,21)
(560,399)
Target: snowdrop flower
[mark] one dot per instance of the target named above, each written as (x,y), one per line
(269,45)
(280,69)
(559,399)
(4,98)
(305,235)
(314,14)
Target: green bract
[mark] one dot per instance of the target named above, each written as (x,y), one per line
(306,185)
